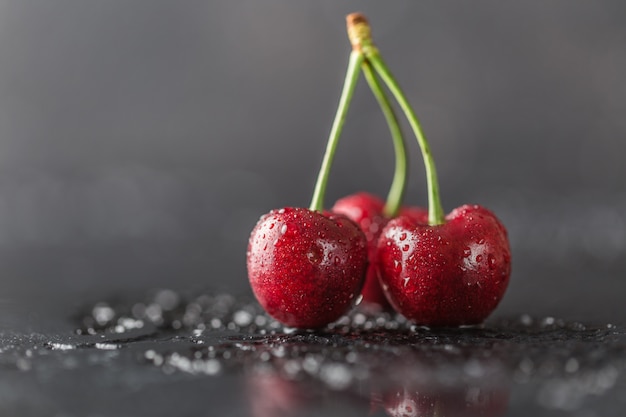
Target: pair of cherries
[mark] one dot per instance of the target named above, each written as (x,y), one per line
(308,267)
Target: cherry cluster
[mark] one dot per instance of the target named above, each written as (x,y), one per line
(308,267)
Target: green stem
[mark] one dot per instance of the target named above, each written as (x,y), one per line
(398,185)
(359,32)
(436,214)
(352,76)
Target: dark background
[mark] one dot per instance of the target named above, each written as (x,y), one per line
(140,141)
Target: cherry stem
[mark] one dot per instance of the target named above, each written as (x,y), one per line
(352,76)
(398,185)
(359,32)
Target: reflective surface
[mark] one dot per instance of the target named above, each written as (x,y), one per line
(206,353)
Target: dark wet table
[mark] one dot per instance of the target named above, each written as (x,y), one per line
(214,354)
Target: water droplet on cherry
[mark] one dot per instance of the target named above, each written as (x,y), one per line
(283,229)
(403,236)
(315,255)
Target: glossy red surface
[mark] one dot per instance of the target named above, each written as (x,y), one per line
(447,275)
(367,211)
(306,268)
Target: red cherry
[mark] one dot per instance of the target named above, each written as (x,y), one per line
(366,210)
(306,268)
(446,275)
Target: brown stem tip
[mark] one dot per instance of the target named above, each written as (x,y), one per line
(355,18)
(359,31)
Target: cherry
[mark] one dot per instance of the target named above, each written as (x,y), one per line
(449,274)
(306,267)
(367,211)
(453,270)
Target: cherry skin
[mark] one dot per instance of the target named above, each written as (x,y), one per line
(366,210)
(306,268)
(447,275)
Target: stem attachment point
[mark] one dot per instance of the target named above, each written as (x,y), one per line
(359,33)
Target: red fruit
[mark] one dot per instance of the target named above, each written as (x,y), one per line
(306,268)
(446,275)
(367,211)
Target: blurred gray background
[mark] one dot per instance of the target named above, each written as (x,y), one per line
(141,140)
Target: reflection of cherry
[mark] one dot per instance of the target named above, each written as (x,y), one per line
(465,401)
(272,396)
(408,404)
